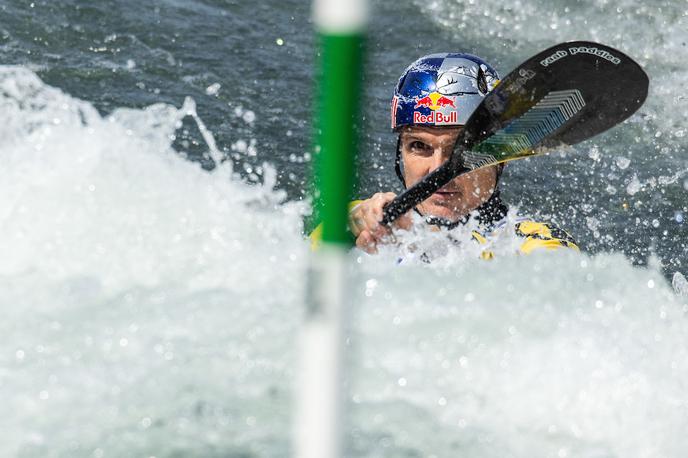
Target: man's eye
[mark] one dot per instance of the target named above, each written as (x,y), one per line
(416,145)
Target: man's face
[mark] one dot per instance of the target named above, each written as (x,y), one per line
(423,149)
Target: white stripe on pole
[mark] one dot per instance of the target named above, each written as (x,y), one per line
(340,16)
(320,395)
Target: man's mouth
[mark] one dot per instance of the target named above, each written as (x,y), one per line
(445,194)
(448,188)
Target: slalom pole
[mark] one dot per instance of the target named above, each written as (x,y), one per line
(320,396)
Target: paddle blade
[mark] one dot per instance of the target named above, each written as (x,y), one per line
(562,96)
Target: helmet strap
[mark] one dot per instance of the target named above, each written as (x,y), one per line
(397,163)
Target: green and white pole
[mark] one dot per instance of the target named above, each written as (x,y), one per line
(320,397)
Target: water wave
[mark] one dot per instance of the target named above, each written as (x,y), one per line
(151,309)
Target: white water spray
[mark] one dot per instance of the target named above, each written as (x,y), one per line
(151,309)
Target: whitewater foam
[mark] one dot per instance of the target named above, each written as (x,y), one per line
(150,308)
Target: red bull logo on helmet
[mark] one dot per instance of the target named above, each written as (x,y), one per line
(435,101)
(442,109)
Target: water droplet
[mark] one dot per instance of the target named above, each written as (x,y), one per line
(370,287)
(633,186)
(240,146)
(249,116)
(213,89)
(592,223)
(594,153)
(623,162)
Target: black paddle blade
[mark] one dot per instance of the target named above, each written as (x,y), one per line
(562,96)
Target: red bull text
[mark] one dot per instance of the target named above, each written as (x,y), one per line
(435,117)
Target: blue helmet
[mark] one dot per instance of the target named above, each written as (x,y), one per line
(441,90)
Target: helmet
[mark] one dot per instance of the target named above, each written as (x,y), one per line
(444,90)
(441,90)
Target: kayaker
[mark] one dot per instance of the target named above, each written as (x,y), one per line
(433,99)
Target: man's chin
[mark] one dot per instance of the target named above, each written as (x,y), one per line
(439,211)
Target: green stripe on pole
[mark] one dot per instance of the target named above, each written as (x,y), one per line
(336,138)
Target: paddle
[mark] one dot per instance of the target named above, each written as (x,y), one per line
(561,96)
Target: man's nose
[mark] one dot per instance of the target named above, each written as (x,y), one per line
(440,156)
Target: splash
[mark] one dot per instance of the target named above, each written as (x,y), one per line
(84,194)
(553,357)
(680,284)
(134,283)
(150,308)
